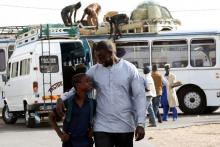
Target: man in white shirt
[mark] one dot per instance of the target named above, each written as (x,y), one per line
(150,93)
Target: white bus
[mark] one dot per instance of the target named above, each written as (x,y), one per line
(194,58)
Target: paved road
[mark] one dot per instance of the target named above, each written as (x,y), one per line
(20,136)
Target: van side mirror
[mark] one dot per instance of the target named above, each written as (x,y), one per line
(4,78)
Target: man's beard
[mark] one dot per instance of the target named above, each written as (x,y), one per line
(107,64)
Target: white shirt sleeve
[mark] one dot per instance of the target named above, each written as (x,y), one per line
(67,95)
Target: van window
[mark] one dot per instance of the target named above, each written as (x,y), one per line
(2,60)
(174,52)
(14,72)
(25,67)
(49,64)
(203,52)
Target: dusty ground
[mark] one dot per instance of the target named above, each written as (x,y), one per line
(193,136)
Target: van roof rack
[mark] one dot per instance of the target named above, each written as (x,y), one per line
(45,32)
(11,30)
(133,27)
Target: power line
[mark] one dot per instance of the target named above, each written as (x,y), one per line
(28,7)
(56,9)
(217,9)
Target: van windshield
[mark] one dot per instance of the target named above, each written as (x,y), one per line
(49,64)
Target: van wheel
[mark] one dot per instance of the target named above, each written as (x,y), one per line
(211,109)
(29,120)
(192,100)
(8,117)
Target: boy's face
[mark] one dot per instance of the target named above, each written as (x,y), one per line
(85,84)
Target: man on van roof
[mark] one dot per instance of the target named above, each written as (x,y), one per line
(67,12)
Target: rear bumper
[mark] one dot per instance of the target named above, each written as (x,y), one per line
(41,107)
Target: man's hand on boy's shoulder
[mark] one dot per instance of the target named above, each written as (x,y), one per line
(60,107)
(56,115)
(90,132)
(64,136)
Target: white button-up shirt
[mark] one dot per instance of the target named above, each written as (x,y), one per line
(120,97)
(149,84)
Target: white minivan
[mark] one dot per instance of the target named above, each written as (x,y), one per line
(6,49)
(40,70)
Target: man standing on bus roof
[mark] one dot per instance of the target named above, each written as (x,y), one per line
(67,12)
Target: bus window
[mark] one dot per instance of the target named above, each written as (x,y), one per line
(202,52)
(92,45)
(137,53)
(2,60)
(173,52)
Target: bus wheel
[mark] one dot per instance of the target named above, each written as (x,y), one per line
(7,116)
(192,101)
(211,109)
(29,120)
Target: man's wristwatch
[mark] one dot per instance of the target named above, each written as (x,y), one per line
(141,125)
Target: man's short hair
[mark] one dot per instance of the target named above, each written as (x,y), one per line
(154,67)
(146,70)
(107,45)
(167,66)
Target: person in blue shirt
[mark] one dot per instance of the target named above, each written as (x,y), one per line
(77,130)
(120,96)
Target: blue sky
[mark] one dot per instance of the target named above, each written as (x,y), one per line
(194,14)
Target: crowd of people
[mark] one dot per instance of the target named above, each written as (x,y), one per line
(165,94)
(116,113)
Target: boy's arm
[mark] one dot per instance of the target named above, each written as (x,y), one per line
(52,118)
